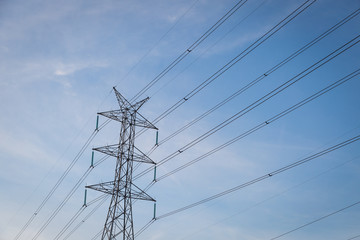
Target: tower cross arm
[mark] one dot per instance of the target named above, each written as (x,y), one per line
(143,122)
(114,151)
(107,187)
(137,193)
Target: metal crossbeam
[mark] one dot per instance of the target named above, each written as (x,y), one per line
(118,115)
(113,150)
(108,187)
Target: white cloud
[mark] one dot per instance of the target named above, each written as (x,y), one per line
(61,73)
(17,73)
(62,69)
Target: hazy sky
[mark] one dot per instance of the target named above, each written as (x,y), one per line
(60,59)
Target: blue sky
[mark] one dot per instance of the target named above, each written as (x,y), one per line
(60,59)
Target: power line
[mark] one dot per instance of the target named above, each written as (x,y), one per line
(104,198)
(57,184)
(340,165)
(266,123)
(97,235)
(235,60)
(78,213)
(48,174)
(316,220)
(62,204)
(258,102)
(71,221)
(146,226)
(274,92)
(161,38)
(270,174)
(354,237)
(261,77)
(207,49)
(288,167)
(61,179)
(272,197)
(192,47)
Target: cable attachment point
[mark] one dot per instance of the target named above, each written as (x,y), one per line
(97,123)
(85,198)
(157,138)
(154,217)
(154,174)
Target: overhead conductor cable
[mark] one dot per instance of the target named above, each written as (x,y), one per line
(233,61)
(236,7)
(265,123)
(261,178)
(260,101)
(258,79)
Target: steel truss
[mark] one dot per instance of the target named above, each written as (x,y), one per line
(119,220)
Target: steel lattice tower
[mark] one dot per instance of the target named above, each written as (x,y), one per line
(119,220)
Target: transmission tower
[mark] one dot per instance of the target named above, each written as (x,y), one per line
(119,220)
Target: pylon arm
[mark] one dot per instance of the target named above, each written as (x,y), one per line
(111,150)
(114,151)
(126,104)
(118,115)
(137,193)
(121,100)
(138,105)
(107,187)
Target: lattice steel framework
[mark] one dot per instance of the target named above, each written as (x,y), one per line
(119,220)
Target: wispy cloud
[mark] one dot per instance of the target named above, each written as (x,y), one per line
(62,69)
